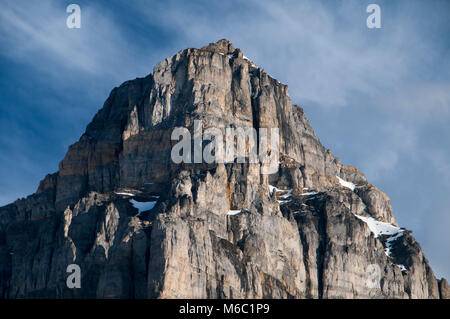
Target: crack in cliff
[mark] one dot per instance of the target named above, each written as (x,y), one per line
(132,269)
(321,250)
(305,248)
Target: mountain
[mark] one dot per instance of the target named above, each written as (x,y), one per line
(140,225)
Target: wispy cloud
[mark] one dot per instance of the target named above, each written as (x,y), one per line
(324,52)
(440,160)
(419,103)
(36,34)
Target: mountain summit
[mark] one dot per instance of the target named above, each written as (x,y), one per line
(141,225)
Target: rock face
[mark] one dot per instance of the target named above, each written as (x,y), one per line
(313,229)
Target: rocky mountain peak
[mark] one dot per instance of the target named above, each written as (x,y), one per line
(222,46)
(141,225)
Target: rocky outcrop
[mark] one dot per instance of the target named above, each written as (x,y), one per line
(443,289)
(141,226)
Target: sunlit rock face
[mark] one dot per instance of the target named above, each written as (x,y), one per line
(141,226)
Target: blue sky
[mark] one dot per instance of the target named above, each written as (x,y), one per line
(378,98)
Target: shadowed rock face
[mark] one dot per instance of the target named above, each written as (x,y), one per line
(300,233)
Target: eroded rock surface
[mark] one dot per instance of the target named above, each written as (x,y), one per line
(140,226)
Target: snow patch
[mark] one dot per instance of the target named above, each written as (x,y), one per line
(309,194)
(402,267)
(125,194)
(234,212)
(245,58)
(389,242)
(346,184)
(380,228)
(288,194)
(274,188)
